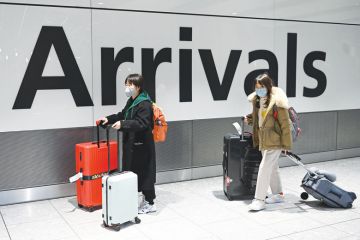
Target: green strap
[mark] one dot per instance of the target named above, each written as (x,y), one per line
(144,96)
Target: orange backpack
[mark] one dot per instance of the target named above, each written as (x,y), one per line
(160,124)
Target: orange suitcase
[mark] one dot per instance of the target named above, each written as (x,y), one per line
(92,161)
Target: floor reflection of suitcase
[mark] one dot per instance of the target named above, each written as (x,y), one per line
(120,194)
(91,161)
(319,184)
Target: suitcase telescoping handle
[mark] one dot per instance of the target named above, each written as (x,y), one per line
(118,152)
(242,127)
(296,159)
(108,146)
(107,127)
(99,124)
(314,171)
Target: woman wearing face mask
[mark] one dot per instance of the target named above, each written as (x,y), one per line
(136,123)
(271,136)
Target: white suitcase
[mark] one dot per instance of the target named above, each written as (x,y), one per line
(120,196)
(119,199)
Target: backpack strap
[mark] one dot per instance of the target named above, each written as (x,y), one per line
(276,123)
(275,112)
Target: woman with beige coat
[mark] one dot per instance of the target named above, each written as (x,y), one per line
(271,135)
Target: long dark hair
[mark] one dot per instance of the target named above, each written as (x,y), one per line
(135,79)
(265,81)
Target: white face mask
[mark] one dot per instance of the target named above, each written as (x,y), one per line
(261,92)
(130,91)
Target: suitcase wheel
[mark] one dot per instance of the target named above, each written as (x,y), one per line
(105,225)
(116,227)
(349,205)
(91,209)
(137,220)
(228,196)
(304,195)
(80,206)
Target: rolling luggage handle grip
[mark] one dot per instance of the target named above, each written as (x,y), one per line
(290,154)
(243,132)
(295,158)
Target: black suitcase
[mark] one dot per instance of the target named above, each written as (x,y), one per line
(240,166)
(249,166)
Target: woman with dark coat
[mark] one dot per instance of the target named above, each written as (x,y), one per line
(136,123)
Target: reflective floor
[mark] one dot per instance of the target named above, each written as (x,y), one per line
(198,210)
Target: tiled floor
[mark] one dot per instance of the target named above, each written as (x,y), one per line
(198,210)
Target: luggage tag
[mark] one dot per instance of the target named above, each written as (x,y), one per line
(237,127)
(75,177)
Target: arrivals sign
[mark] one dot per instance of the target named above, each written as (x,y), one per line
(65,67)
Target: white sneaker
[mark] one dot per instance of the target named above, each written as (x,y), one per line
(276,198)
(147,208)
(257,205)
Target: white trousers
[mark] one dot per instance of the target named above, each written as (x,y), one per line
(268,174)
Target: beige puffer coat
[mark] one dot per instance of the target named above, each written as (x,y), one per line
(273,134)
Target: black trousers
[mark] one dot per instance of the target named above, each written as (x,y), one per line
(149,195)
